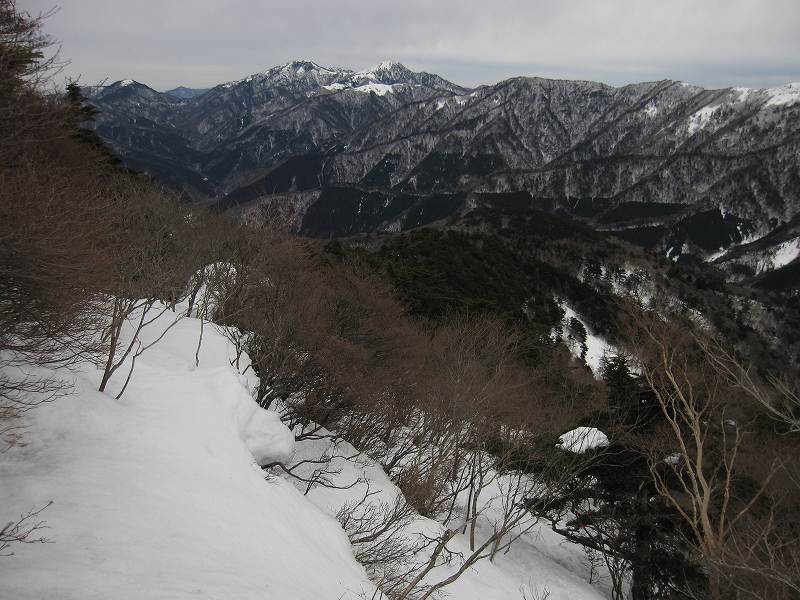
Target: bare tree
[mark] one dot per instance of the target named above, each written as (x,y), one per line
(708,445)
(152,275)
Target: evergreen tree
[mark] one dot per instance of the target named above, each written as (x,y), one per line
(84,114)
(614,509)
(630,400)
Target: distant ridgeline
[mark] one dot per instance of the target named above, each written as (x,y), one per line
(687,172)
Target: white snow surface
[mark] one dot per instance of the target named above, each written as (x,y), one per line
(158,495)
(763,259)
(597,347)
(539,560)
(379,88)
(784,95)
(582,439)
(371,72)
(701,118)
(779,256)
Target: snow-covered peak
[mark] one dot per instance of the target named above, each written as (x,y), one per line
(784,95)
(387,72)
(301,67)
(389,64)
(127,83)
(299,76)
(308,78)
(386,65)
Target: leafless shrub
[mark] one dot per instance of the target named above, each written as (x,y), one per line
(24,530)
(156,261)
(534,593)
(381,542)
(55,247)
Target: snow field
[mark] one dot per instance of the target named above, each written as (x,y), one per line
(539,560)
(158,495)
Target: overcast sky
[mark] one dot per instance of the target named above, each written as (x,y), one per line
(199,43)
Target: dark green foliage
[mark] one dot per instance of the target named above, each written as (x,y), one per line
(296,174)
(630,400)
(518,263)
(436,272)
(628,211)
(84,114)
(613,507)
(711,230)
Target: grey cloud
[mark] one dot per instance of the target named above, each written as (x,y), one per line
(203,42)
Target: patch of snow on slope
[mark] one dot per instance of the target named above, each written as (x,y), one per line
(779,256)
(747,238)
(743,92)
(651,110)
(540,556)
(700,119)
(158,495)
(582,439)
(786,95)
(596,346)
(379,88)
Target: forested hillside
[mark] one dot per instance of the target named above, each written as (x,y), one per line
(687,172)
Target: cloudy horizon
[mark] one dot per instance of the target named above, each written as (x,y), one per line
(165,44)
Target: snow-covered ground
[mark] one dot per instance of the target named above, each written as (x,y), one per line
(160,495)
(597,347)
(766,259)
(701,118)
(784,95)
(539,561)
(779,256)
(379,88)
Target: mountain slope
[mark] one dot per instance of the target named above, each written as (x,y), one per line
(186,93)
(230,135)
(158,495)
(676,168)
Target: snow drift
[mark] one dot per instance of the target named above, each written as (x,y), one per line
(159,494)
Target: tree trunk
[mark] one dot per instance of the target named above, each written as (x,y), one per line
(641,563)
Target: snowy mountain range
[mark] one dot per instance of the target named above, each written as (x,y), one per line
(677,168)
